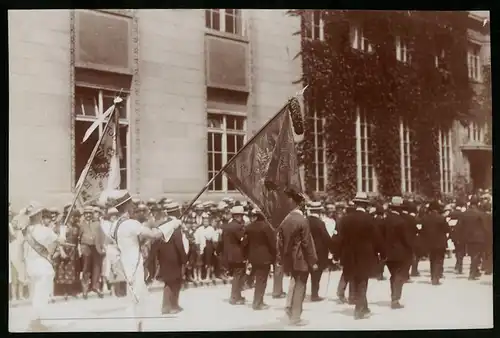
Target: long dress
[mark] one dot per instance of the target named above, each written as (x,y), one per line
(67,269)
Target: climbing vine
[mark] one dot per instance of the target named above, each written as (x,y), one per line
(428,93)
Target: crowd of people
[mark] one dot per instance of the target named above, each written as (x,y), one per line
(232,240)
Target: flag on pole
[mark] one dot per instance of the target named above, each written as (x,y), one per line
(266,166)
(101,118)
(114,177)
(96,175)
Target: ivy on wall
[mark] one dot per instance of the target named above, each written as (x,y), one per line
(425,96)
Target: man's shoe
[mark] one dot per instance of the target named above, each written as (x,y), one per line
(98,292)
(361,315)
(316,299)
(396,305)
(342,299)
(281,295)
(261,307)
(237,302)
(298,322)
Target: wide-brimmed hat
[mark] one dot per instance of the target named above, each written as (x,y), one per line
(314,206)
(119,197)
(136,200)
(296,195)
(198,207)
(34,208)
(151,201)
(361,197)
(205,215)
(88,209)
(396,202)
(53,210)
(237,210)
(172,206)
(112,211)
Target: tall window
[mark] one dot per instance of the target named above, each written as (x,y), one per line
(319,152)
(439,58)
(224,20)
(314,25)
(226,136)
(475,133)
(407,177)
(358,39)
(366,180)
(445,163)
(474,62)
(403,52)
(90,103)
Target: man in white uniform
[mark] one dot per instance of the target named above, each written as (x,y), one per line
(40,244)
(128,234)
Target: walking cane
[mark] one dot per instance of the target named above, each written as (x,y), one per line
(328,282)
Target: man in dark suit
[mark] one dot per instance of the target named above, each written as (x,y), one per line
(434,230)
(398,249)
(172,256)
(260,247)
(344,209)
(297,254)
(359,246)
(232,245)
(457,235)
(323,245)
(408,213)
(476,233)
(92,248)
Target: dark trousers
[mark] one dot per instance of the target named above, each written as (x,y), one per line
(315,279)
(277,280)
(343,282)
(488,259)
(436,259)
(459,255)
(296,294)
(261,273)
(92,266)
(398,277)
(171,292)
(359,287)
(414,265)
(120,289)
(475,250)
(238,273)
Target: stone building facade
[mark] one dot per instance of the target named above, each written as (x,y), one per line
(197,83)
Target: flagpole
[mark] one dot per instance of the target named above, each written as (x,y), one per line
(239,151)
(87,167)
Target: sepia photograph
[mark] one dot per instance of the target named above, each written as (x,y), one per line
(249,170)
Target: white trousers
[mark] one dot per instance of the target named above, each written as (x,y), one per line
(41,289)
(137,293)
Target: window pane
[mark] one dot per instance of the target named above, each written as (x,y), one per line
(210,175)
(320,170)
(218,161)
(214,121)
(83,150)
(320,156)
(218,183)
(217,142)
(208,14)
(210,161)
(240,123)
(239,141)
(123,147)
(230,22)
(370,185)
(123,178)
(321,184)
(209,142)
(86,101)
(231,143)
(230,122)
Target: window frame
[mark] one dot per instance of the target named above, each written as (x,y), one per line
(222,21)
(475,132)
(311,25)
(316,121)
(408,184)
(445,163)
(121,122)
(474,59)
(357,39)
(403,50)
(224,151)
(361,133)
